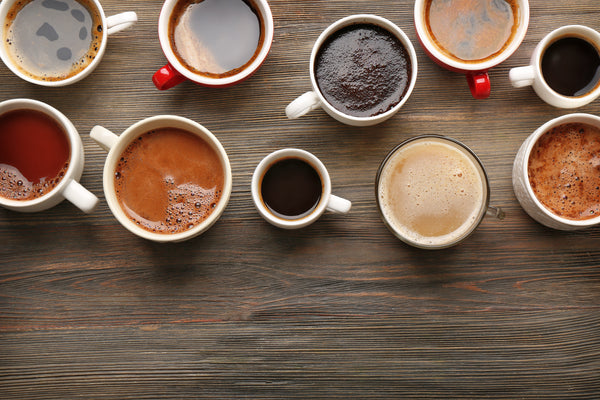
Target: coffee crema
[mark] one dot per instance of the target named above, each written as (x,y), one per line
(471,30)
(169,180)
(432,192)
(216,38)
(564,171)
(34,154)
(363,70)
(52,40)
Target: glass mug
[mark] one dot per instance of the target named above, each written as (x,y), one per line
(433,192)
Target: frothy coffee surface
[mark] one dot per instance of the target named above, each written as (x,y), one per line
(363,70)
(564,171)
(169,180)
(471,30)
(431,192)
(53,39)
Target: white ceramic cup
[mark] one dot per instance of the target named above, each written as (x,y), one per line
(328,201)
(115,145)
(69,187)
(522,187)
(475,72)
(314,99)
(110,25)
(531,75)
(174,72)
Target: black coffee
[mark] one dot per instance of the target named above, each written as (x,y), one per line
(571,66)
(53,39)
(291,188)
(363,70)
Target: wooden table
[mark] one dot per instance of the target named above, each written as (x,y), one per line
(341,309)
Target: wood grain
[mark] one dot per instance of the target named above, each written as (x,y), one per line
(340,309)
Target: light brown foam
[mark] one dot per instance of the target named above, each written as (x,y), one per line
(564,171)
(432,192)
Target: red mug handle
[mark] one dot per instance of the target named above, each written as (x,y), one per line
(167,77)
(479,83)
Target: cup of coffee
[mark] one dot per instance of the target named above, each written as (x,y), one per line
(291,189)
(362,68)
(41,158)
(432,192)
(471,36)
(58,42)
(555,173)
(213,43)
(565,67)
(166,178)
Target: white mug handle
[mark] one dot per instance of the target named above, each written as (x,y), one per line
(522,76)
(302,105)
(338,205)
(118,22)
(105,138)
(82,198)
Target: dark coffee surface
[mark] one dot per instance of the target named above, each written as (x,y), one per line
(34,154)
(571,66)
(291,188)
(53,39)
(363,70)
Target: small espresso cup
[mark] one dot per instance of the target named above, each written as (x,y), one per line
(166,178)
(555,175)
(565,67)
(31,154)
(433,192)
(291,189)
(36,36)
(391,63)
(446,39)
(202,63)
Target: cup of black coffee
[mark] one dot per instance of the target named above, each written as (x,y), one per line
(363,68)
(291,189)
(58,42)
(565,67)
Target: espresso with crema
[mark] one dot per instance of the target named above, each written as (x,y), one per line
(563,171)
(471,30)
(169,180)
(432,192)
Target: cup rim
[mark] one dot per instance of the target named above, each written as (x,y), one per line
(75,148)
(165,43)
(531,141)
(470,67)
(5,6)
(138,129)
(486,193)
(269,160)
(388,26)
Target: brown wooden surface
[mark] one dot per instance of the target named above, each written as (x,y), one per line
(340,309)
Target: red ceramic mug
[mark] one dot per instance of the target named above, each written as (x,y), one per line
(475,66)
(177,70)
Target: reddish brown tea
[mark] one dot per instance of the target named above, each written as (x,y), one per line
(34,154)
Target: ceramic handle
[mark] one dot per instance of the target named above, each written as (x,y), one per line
(82,198)
(338,205)
(521,76)
(105,138)
(479,83)
(302,105)
(118,22)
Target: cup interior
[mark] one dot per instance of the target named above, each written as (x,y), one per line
(398,228)
(134,132)
(166,15)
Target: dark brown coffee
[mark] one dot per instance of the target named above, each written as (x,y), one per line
(563,170)
(53,40)
(34,154)
(169,180)
(363,70)
(291,188)
(216,38)
(571,66)
(471,30)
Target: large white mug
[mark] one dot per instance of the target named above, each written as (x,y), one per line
(100,28)
(67,185)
